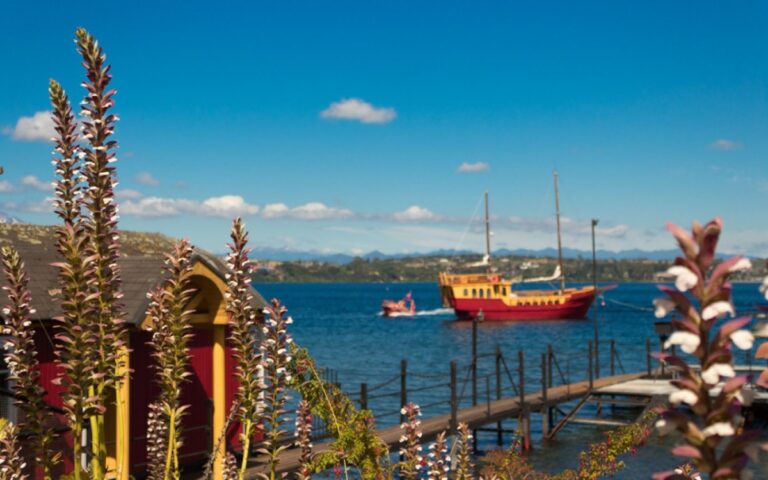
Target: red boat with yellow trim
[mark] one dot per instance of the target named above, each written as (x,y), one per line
(489,293)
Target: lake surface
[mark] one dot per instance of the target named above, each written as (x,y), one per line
(341,326)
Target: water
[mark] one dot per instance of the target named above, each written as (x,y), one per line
(342,327)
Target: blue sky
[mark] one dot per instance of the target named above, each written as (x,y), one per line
(343,126)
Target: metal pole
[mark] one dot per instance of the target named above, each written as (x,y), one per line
(559,241)
(364,396)
(613,357)
(595,303)
(454,398)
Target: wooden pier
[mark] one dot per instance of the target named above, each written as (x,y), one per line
(476,416)
(563,383)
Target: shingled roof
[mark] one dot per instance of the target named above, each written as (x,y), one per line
(141,269)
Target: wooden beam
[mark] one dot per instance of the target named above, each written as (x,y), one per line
(219,397)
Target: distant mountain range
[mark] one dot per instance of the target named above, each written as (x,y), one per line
(288,255)
(9,219)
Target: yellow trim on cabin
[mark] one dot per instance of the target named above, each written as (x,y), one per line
(219,396)
(118,434)
(208,302)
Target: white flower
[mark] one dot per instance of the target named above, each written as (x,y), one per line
(717,310)
(723,429)
(664,427)
(714,372)
(743,339)
(764,288)
(742,265)
(688,341)
(402,412)
(683,396)
(685,279)
(663,307)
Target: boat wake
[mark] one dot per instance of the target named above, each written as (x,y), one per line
(421,313)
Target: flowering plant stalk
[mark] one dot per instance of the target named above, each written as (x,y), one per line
(275,358)
(22,362)
(171,331)
(464,467)
(12,462)
(91,255)
(702,296)
(439,462)
(410,443)
(157,438)
(243,336)
(303,434)
(75,335)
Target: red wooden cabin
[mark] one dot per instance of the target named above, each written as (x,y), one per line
(210,390)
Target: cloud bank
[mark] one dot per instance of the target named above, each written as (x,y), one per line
(37,128)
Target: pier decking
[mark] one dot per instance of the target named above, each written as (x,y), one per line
(476,416)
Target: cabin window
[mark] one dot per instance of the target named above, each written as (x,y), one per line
(489,293)
(504,291)
(481,293)
(495,289)
(474,293)
(466,292)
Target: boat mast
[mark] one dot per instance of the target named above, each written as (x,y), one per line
(487,232)
(559,240)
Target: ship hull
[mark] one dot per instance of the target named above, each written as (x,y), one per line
(574,308)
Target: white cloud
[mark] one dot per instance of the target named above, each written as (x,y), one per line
(128,194)
(414,213)
(41,206)
(308,211)
(35,183)
(228,206)
(146,178)
(275,210)
(476,167)
(37,128)
(568,226)
(157,207)
(7,187)
(358,110)
(725,144)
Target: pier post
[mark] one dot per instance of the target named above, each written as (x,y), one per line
(550,360)
(364,396)
(648,355)
(475,321)
(403,386)
(525,419)
(613,357)
(499,426)
(544,403)
(454,398)
(590,366)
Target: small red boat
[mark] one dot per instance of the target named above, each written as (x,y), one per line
(405,306)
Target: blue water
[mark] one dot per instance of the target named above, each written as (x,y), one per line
(341,326)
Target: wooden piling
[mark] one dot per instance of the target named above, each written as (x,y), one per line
(499,426)
(544,403)
(364,396)
(403,386)
(454,398)
(648,355)
(590,367)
